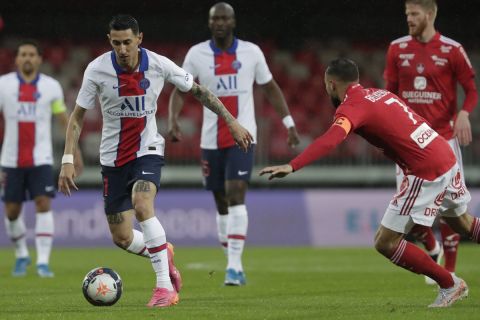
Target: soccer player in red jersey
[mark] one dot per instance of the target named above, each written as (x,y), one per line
(432,184)
(423,69)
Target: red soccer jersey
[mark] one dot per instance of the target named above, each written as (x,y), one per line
(425,76)
(386,122)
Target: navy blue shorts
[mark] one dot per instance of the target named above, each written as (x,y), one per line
(21,184)
(219,165)
(118,181)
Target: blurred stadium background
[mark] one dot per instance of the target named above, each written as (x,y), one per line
(298,41)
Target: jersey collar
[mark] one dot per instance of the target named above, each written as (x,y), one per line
(352,88)
(143,66)
(230,50)
(33,82)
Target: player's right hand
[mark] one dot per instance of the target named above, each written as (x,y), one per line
(277,171)
(241,135)
(65,179)
(174,132)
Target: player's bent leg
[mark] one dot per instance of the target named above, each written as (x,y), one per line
(16,231)
(434,249)
(143,194)
(410,257)
(450,242)
(121,226)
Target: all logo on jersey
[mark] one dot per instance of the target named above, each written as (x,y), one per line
(139,103)
(420,83)
(227,82)
(403,45)
(420,68)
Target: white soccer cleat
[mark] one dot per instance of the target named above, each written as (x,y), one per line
(446,297)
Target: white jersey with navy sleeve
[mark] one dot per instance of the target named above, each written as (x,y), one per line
(229,75)
(27,109)
(129,103)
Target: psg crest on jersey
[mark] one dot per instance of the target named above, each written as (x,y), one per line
(236,64)
(144,83)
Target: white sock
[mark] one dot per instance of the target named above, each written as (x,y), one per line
(156,243)
(237,232)
(44,228)
(17,232)
(138,245)
(222,222)
(435,250)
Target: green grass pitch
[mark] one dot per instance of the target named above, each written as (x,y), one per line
(283,283)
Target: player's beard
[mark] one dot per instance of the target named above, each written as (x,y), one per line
(335,101)
(418,29)
(27,68)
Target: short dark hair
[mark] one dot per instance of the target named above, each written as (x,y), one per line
(124,22)
(29,42)
(344,69)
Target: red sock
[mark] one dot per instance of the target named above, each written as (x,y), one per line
(475,230)
(450,240)
(424,235)
(414,259)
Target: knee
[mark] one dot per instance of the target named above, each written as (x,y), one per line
(42,204)
(122,240)
(140,204)
(384,246)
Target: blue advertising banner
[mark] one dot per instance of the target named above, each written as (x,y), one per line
(317,217)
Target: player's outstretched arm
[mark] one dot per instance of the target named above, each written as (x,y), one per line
(277,171)
(276,98)
(175,106)
(67,173)
(241,135)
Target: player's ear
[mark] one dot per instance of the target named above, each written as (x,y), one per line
(140,38)
(109,38)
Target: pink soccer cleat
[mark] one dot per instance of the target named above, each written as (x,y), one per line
(175,276)
(162,298)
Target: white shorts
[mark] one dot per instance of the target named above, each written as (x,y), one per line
(419,201)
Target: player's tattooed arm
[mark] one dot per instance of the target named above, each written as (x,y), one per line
(116,218)
(209,100)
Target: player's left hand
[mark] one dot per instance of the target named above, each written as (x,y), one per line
(293,140)
(241,135)
(277,171)
(462,129)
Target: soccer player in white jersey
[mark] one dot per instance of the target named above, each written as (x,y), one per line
(28,99)
(128,81)
(228,67)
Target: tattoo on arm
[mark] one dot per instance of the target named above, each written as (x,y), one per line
(115,218)
(209,100)
(141,186)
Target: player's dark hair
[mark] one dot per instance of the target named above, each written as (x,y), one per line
(29,42)
(124,22)
(343,69)
(425,4)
